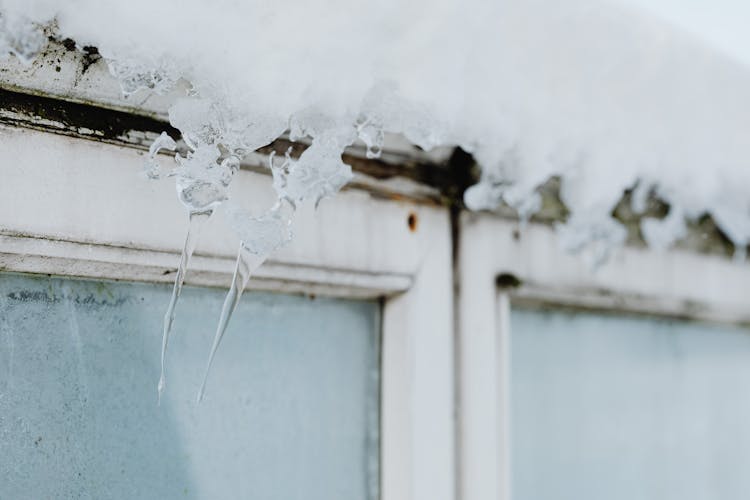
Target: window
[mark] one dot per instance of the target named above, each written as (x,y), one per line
(84,211)
(624,407)
(292,409)
(619,403)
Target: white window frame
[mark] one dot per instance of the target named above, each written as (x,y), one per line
(674,283)
(76,207)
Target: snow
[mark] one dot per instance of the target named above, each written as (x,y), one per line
(606,95)
(719,23)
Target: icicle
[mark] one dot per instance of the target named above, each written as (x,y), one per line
(202,185)
(319,172)
(197,220)
(260,236)
(247,263)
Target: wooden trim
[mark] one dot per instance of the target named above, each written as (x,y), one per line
(65,258)
(418,380)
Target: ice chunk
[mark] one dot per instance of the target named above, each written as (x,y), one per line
(595,236)
(319,172)
(151,167)
(204,121)
(199,120)
(134,75)
(483,196)
(372,135)
(660,234)
(263,234)
(202,182)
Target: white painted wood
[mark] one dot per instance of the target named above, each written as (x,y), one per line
(418,378)
(503,357)
(43,256)
(479,429)
(676,283)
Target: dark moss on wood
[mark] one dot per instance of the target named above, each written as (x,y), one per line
(72,118)
(90,56)
(68,43)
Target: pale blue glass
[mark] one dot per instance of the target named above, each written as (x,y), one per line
(291,409)
(608,407)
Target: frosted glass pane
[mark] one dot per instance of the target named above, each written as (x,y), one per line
(626,408)
(291,410)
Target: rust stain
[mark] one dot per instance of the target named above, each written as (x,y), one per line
(412,221)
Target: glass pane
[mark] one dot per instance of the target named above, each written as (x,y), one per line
(625,408)
(291,409)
